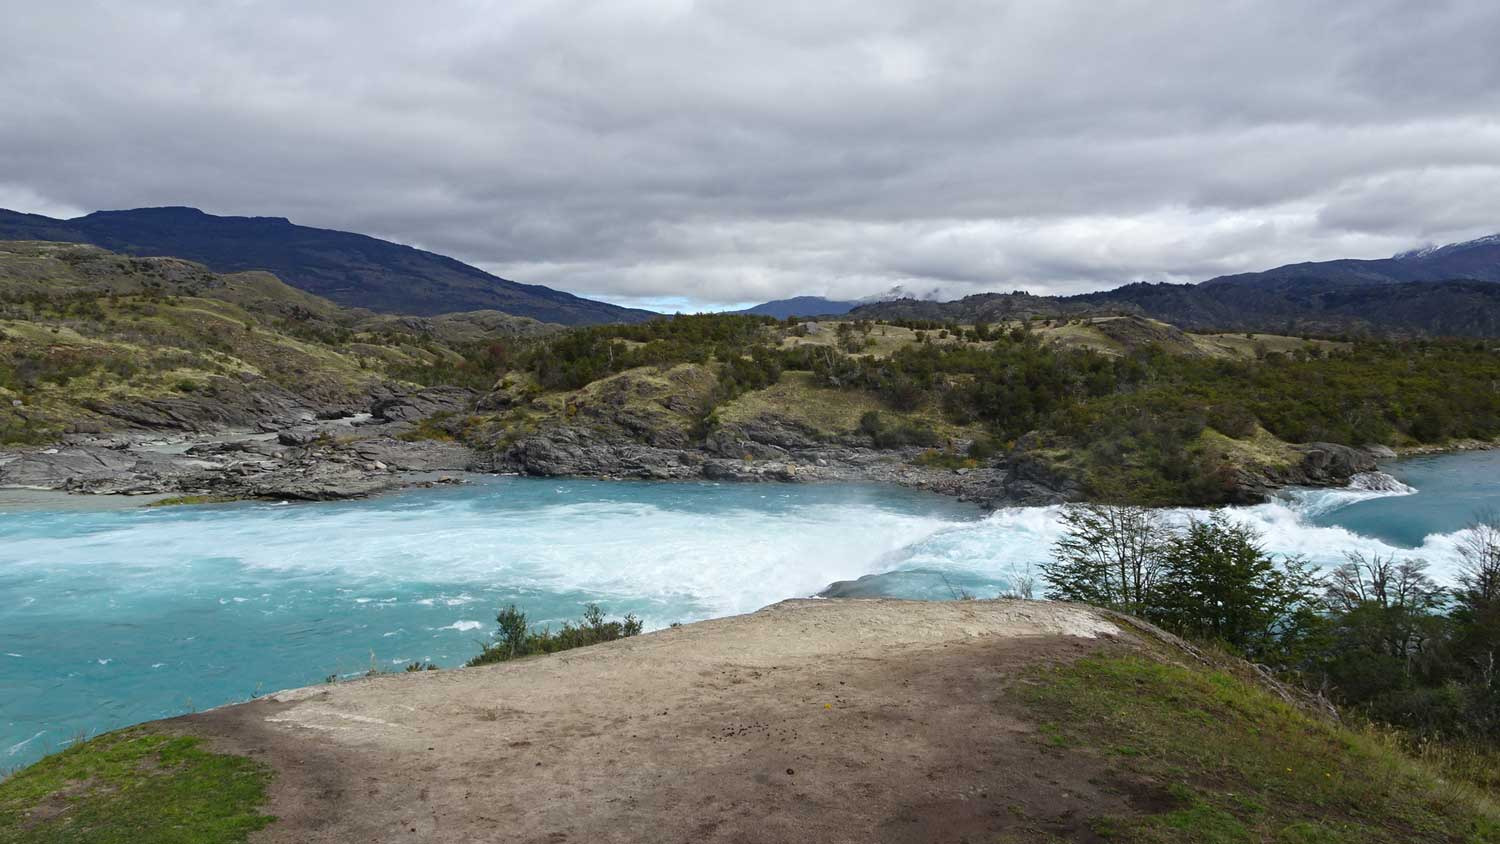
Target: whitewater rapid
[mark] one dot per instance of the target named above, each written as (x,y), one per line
(1014,540)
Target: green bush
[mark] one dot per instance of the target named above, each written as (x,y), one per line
(516,639)
(983,448)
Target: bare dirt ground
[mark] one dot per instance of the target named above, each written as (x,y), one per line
(809,721)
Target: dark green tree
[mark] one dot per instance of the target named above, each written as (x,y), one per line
(1218,583)
(1109,555)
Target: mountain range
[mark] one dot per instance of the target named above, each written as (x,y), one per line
(354,270)
(807,306)
(1446,290)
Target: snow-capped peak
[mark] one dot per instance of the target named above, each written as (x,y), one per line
(1433,249)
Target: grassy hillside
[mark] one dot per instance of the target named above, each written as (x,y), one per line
(84,331)
(1205,753)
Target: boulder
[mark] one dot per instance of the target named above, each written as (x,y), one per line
(422,456)
(412,407)
(1333,464)
(54,468)
(1031,479)
(297,439)
(569,450)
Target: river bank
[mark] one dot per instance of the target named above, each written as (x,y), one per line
(354,455)
(830,720)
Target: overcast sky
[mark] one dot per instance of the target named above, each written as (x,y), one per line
(707,153)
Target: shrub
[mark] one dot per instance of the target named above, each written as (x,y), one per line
(516,639)
(983,448)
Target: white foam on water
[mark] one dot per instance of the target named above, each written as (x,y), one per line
(1365,486)
(463,625)
(1019,539)
(719,560)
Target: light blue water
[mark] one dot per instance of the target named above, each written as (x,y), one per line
(1451,490)
(113,617)
(110,618)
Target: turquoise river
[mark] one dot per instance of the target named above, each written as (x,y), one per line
(111,615)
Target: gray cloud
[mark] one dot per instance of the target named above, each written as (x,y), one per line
(717,152)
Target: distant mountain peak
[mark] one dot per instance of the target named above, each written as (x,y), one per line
(1447,248)
(351,269)
(183,214)
(801,306)
(158,211)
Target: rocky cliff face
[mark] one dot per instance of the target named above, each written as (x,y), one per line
(280,450)
(1321,464)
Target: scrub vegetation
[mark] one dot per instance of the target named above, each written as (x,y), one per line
(1377,635)
(1146,414)
(516,638)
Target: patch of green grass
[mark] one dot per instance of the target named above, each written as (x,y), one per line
(434,427)
(934,458)
(133,787)
(1240,764)
(184,500)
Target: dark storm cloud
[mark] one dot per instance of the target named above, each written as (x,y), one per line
(728,152)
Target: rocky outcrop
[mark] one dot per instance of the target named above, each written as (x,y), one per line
(1032,479)
(574,451)
(245,401)
(249,466)
(1330,464)
(570,450)
(396,406)
(69,466)
(765,438)
(1320,464)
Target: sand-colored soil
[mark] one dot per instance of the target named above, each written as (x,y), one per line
(809,721)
